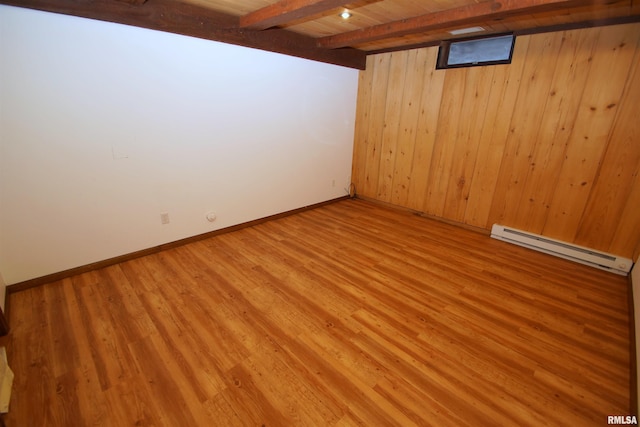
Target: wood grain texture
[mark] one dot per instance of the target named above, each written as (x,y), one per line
(546,144)
(285,11)
(466,15)
(349,314)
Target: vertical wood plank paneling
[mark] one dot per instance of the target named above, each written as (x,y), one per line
(627,129)
(380,76)
(474,107)
(610,64)
(547,144)
(618,173)
(494,132)
(627,237)
(391,123)
(444,147)
(521,141)
(556,123)
(425,134)
(407,126)
(361,134)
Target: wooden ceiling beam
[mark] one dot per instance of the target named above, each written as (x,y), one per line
(286,11)
(134,2)
(621,20)
(450,18)
(196,21)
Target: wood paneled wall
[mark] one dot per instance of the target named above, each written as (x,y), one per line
(549,144)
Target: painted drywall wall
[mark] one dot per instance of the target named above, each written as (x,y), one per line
(635,286)
(103,127)
(3,291)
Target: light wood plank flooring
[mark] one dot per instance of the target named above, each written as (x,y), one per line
(348,314)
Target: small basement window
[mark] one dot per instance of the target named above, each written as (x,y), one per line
(476,51)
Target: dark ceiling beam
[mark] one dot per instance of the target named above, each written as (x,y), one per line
(286,11)
(196,21)
(526,31)
(450,18)
(134,2)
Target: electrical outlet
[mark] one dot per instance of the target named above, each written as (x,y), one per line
(164,217)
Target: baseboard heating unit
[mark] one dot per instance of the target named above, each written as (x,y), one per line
(601,260)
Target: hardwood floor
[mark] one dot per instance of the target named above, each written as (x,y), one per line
(349,314)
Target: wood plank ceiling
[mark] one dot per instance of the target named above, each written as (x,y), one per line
(314,29)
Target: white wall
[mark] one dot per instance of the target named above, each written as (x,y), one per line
(104,126)
(3,292)
(635,285)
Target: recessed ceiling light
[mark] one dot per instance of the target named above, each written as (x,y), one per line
(345,15)
(466,30)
